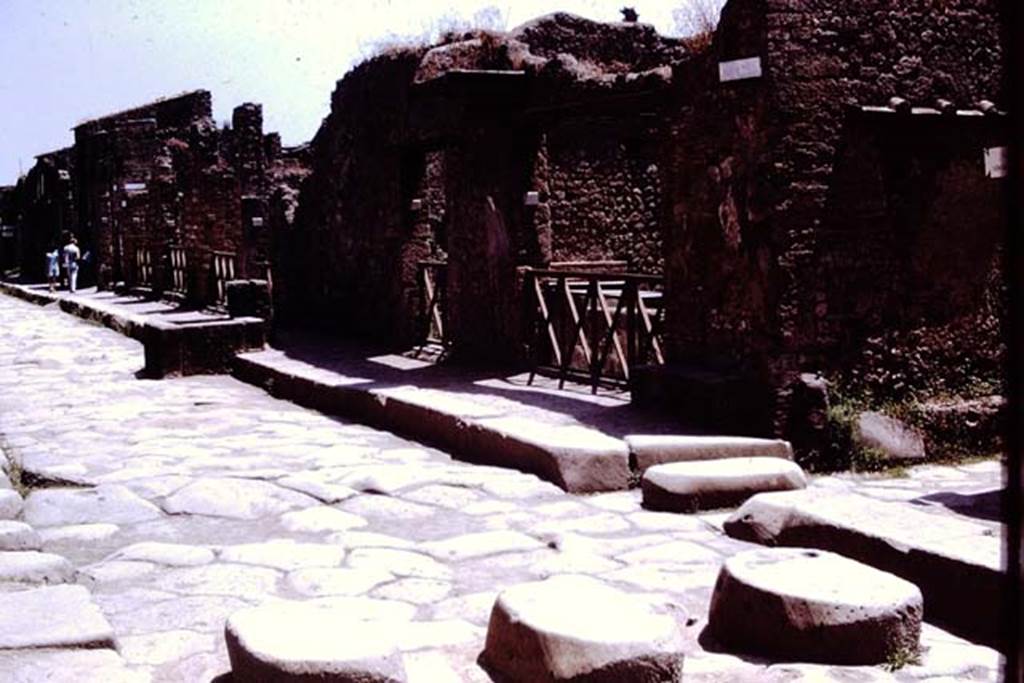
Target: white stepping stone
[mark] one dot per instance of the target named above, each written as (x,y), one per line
(574,626)
(10,503)
(53,616)
(656,449)
(30,566)
(710,484)
(18,536)
(813,606)
(296,642)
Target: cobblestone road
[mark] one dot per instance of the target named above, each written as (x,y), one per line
(180,501)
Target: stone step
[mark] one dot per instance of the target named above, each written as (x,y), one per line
(710,484)
(53,616)
(289,641)
(648,450)
(578,628)
(932,550)
(813,606)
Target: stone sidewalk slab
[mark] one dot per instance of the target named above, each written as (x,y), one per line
(53,616)
(933,551)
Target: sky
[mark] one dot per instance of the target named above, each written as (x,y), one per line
(66,61)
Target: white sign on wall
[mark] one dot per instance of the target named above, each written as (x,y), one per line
(739,69)
(995,162)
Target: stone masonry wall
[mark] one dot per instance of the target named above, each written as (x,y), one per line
(808,236)
(605,194)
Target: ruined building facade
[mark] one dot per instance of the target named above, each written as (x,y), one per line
(818,186)
(805,220)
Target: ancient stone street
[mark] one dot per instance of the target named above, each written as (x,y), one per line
(174,504)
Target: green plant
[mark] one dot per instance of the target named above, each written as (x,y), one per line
(907,655)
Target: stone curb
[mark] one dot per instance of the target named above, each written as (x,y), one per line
(576,469)
(171,349)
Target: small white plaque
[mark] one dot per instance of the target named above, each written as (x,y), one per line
(134,187)
(532,198)
(995,162)
(739,69)
(257,222)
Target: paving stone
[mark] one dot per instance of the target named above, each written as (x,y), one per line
(442,495)
(107,504)
(430,667)
(171,554)
(53,616)
(113,571)
(316,581)
(399,562)
(296,642)
(416,591)
(933,551)
(320,518)
(235,499)
(813,606)
(368,539)
(30,566)
(479,544)
(284,554)
(677,552)
(383,508)
(536,633)
(18,536)
(11,503)
(5,481)
(323,491)
(218,579)
(657,449)
(67,666)
(711,484)
(162,647)
(200,613)
(449,633)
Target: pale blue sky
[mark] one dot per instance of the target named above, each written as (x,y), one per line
(65,61)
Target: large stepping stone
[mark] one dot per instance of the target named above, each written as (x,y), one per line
(10,503)
(575,628)
(710,484)
(53,616)
(935,551)
(813,606)
(283,642)
(30,566)
(18,536)
(656,449)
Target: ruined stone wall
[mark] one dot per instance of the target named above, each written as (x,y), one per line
(163,175)
(354,218)
(604,193)
(806,236)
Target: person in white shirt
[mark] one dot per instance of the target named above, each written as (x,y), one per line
(71,255)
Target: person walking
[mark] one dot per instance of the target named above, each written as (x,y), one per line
(53,266)
(72,254)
